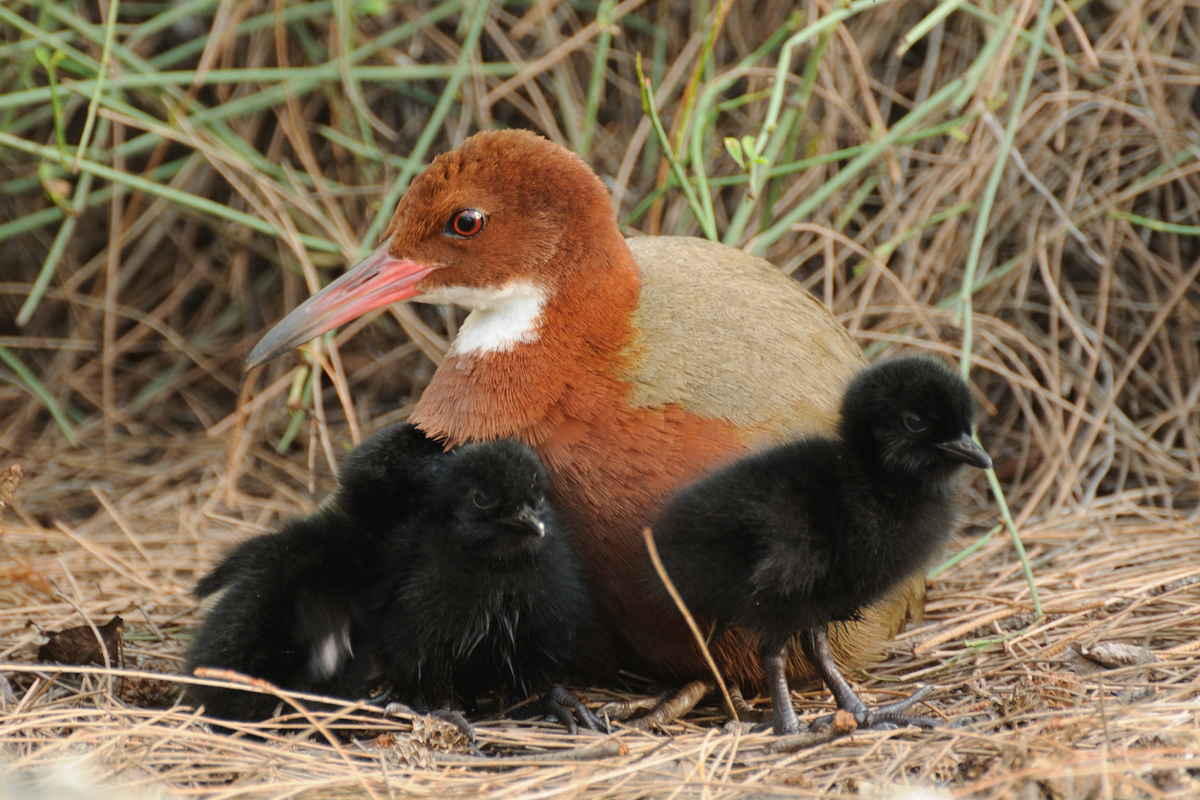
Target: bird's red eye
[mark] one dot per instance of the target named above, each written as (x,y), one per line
(465,223)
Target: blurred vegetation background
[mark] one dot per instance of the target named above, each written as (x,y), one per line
(1012,184)
(1012,181)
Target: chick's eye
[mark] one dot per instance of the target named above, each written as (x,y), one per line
(914,423)
(466,223)
(481,500)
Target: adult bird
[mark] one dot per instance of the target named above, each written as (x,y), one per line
(631,367)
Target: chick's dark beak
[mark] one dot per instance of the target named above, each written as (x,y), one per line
(529,519)
(965,450)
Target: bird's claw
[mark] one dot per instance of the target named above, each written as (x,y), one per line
(567,708)
(887,717)
(621,710)
(747,712)
(663,708)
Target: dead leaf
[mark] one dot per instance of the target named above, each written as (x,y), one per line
(10,479)
(439,735)
(844,722)
(79,645)
(1112,655)
(148,692)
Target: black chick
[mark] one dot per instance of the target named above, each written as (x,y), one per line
(808,533)
(486,593)
(294,608)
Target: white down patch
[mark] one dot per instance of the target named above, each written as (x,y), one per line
(500,318)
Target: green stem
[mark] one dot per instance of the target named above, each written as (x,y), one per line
(109,29)
(78,204)
(599,77)
(944,9)
(968,283)
(41,393)
(185,199)
(52,214)
(869,155)
(707,223)
(1156,224)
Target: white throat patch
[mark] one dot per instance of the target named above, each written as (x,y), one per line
(500,319)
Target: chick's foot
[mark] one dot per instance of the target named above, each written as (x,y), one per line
(569,710)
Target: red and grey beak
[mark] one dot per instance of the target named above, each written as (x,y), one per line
(375,281)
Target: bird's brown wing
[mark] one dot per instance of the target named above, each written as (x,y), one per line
(726,334)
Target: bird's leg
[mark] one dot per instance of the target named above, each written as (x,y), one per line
(622,710)
(376,692)
(815,642)
(566,707)
(745,711)
(663,708)
(774,665)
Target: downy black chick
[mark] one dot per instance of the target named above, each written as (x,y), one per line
(293,610)
(808,533)
(485,593)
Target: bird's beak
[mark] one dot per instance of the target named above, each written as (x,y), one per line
(528,518)
(375,281)
(965,450)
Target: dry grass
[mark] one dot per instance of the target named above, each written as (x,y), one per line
(1032,712)
(1086,348)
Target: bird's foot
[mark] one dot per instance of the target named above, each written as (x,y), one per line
(394,707)
(621,710)
(570,711)
(779,728)
(887,717)
(759,717)
(663,708)
(449,715)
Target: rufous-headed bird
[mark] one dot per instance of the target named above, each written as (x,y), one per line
(631,367)
(803,535)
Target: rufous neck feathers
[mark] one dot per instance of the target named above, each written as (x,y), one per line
(521,351)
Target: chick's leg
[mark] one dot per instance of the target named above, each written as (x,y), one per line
(815,642)
(774,664)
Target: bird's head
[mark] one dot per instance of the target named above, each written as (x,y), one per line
(495,494)
(386,474)
(914,416)
(496,225)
